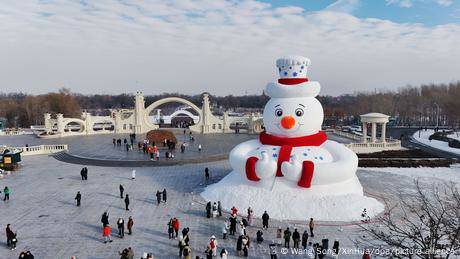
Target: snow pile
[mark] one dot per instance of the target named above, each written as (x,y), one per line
(283,202)
(450,174)
(424,139)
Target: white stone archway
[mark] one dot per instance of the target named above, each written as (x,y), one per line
(156,104)
(66,122)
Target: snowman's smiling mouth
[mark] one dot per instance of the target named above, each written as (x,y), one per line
(293,129)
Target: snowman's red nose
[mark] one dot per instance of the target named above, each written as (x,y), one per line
(288,122)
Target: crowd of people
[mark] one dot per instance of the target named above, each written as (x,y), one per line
(151,149)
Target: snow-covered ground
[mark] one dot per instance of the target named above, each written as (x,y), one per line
(428,174)
(424,135)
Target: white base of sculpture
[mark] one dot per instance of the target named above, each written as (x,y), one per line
(334,202)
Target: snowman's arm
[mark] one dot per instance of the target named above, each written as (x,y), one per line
(240,154)
(343,167)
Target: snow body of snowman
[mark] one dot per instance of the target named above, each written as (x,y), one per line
(293,146)
(292,170)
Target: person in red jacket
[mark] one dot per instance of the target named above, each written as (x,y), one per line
(234,211)
(106,234)
(366,255)
(130,225)
(176,226)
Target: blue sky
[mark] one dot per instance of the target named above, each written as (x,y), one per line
(225,46)
(428,12)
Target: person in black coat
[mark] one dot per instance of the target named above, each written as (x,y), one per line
(305,239)
(265,218)
(232,225)
(82,173)
(122,189)
(239,245)
(105,219)
(325,243)
(208,210)
(296,238)
(158,197)
(164,195)
(127,202)
(259,235)
(78,199)
(335,247)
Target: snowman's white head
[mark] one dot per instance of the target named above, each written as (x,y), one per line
(293,117)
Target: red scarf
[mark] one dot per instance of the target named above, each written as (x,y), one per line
(287,144)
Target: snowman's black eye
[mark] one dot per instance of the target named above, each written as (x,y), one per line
(279,112)
(298,112)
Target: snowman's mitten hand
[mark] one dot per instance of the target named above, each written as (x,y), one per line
(292,169)
(266,167)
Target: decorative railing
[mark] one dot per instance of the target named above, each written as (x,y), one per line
(14,132)
(367,147)
(37,150)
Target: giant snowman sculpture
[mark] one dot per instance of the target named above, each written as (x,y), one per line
(292,171)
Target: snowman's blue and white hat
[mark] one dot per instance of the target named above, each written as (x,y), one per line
(293,81)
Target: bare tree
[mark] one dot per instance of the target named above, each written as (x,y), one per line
(425,223)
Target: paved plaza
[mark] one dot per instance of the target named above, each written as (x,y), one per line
(48,223)
(100,146)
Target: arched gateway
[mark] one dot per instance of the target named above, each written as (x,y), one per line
(137,120)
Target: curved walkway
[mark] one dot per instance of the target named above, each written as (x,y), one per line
(74,159)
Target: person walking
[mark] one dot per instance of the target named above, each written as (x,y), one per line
(232,225)
(158,197)
(122,189)
(250,216)
(214,209)
(265,218)
(176,226)
(130,225)
(225,228)
(206,174)
(239,245)
(82,174)
(187,252)
(130,253)
(246,244)
(296,238)
(259,236)
(78,198)
(335,247)
(272,248)
(9,235)
(6,193)
(106,234)
(181,245)
(164,195)
(305,239)
(199,148)
(85,173)
(223,253)
(219,208)
(312,226)
(208,209)
(279,236)
(105,219)
(171,228)
(121,227)
(287,237)
(127,202)
(213,245)
(133,174)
